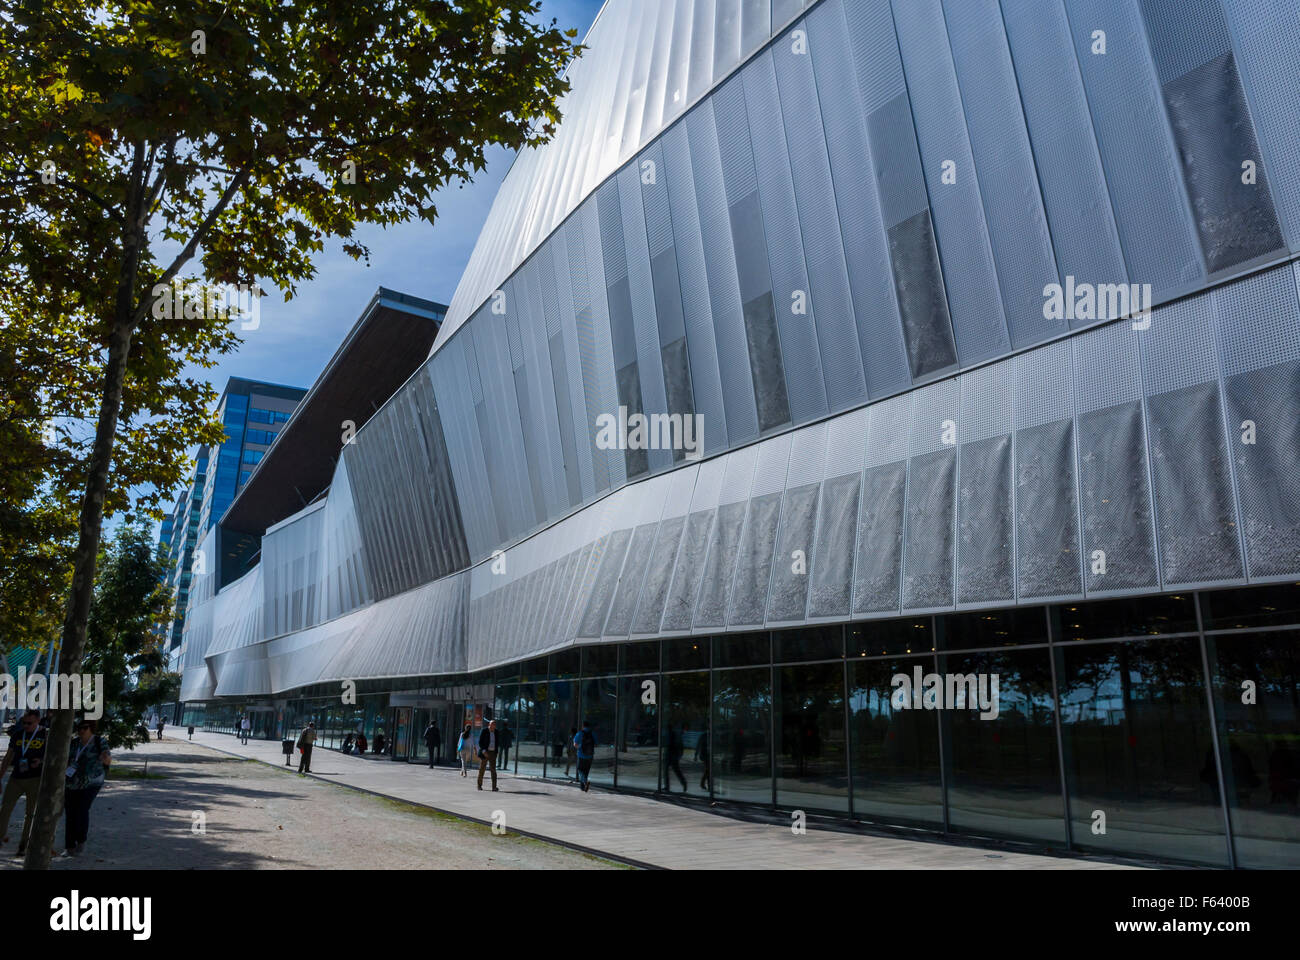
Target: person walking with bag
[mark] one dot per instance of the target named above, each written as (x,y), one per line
(305,741)
(489,741)
(88,762)
(585,742)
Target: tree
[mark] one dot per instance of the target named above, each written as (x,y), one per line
(231,138)
(123,643)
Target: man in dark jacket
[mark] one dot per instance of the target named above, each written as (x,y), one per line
(433,740)
(488,743)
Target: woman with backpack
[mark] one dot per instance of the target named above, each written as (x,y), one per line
(465,750)
(88,762)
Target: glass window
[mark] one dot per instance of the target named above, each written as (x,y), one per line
(253,456)
(685,733)
(742,649)
(896,776)
(599,660)
(563,707)
(1135,729)
(742,719)
(811,749)
(819,643)
(638,734)
(876,638)
(686,653)
(1273,605)
(1128,617)
(1002,771)
(599,704)
(639,657)
(565,664)
(529,727)
(992,628)
(1260,740)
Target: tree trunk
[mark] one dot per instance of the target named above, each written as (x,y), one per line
(49,803)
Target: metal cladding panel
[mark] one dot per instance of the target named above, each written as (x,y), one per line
(930,521)
(1137,150)
(804,383)
(507,467)
(1004,164)
(749,589)
(724,284)
(464,450)
(641,287)
(644,509)
(1266,43)
(837,333)
(1196,529)
(985,501)
(1114,485)
(1213,130)
(345,584)
(726,37)
(592,623)
(960,229)
(658,578)
(292,566)
(543,411)
(724,541)
(590,466)
(879,552)
(701,343)
(788,595)
(1259,340)
(679,609)
(1046,481)
(830,591)
(602,354)
(1075,198)
(865,248)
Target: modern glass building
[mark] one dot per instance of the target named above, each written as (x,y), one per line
(253,413)
(988,315)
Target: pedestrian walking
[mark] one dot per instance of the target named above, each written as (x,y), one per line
(161,723)
(673,751)
(585,742)
(465,749)
(25,755)
(245,727)
(433,741)
(88,762)
(305,741)
(570,751)
(488,744)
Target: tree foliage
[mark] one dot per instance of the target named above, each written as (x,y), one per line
(220,142)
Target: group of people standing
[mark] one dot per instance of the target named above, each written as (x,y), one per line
(493,750)
(88,763)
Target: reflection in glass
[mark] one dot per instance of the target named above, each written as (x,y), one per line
(685,733)
(562,695)
(1273,605)
(1138,749)
(1128,617)
(1002,772)
(1262,742)
(741,752)
(638,733)
(896,775)
(812,756)
(528,724)
(599,705)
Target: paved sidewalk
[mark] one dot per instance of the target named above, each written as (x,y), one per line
(641,829)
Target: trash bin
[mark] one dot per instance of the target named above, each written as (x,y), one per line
(287,747)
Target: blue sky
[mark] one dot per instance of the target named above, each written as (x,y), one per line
(297,338)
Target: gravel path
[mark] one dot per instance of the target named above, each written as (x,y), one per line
(257,817)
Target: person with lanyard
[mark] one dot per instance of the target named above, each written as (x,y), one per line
(25,754)
(88,760)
